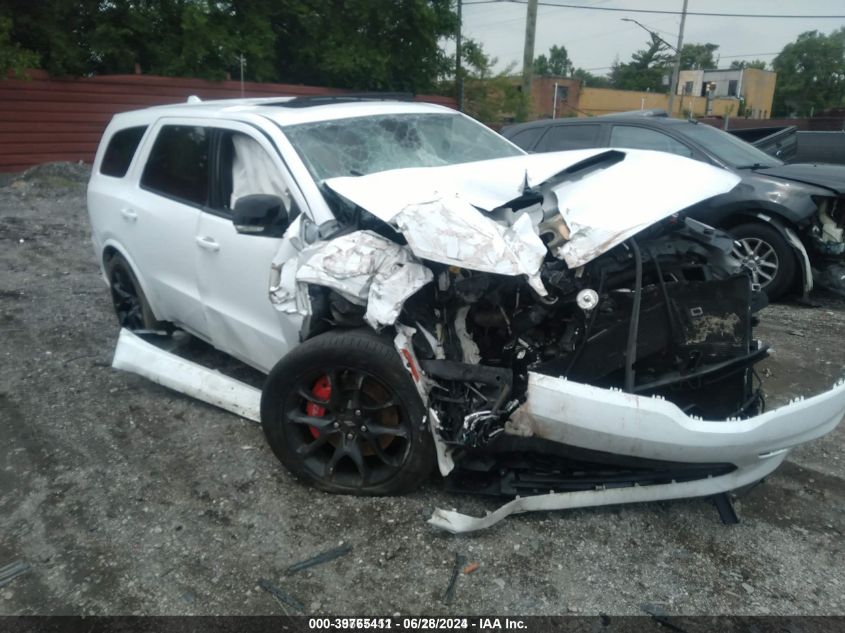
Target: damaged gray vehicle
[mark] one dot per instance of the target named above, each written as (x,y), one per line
(551,328)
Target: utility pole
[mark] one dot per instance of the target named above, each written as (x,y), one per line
(242,62)
(676,68)
(459,76)
(528,55)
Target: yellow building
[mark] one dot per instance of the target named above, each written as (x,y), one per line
(597,101)
(751,88)
(700,92)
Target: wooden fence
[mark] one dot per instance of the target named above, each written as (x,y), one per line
(45,119)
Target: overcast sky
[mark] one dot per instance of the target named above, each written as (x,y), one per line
(595,38)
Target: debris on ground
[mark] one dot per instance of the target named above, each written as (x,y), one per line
(12,571)
(471,568)
(282,597)
(449,594)
(319,559)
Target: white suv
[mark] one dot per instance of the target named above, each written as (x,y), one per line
(423,292)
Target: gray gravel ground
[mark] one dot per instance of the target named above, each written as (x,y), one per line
(127,498)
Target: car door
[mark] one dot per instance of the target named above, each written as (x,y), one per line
(233,269)
(172,187)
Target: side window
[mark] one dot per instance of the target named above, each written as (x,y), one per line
(120,151)
(245,168)
(178,164)
(527,139)
(563,137)
(643,138)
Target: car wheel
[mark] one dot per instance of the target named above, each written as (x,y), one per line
(130,305)
(341,413)
(767,256)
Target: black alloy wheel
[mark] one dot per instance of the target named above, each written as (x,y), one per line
(130,305)
(341,412)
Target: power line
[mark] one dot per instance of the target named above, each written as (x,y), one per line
(667,12)
(746,55)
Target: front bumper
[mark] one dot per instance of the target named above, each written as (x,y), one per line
(625,424)
(616,422)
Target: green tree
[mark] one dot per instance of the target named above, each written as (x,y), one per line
(557,63)
(13,58)
(756,63)
(488,96)
(698,56)
(811,74)
(54,29)
(365,44)
(361,44)
(588,79)
(646,69)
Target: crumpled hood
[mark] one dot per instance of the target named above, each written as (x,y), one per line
(444,207)
(819,174)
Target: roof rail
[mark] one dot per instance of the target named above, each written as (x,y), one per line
(315,100)
(659,112)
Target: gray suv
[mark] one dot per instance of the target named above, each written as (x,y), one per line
(787,220)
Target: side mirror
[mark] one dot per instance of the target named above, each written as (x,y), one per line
(261,214)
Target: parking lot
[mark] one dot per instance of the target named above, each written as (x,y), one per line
(127,498)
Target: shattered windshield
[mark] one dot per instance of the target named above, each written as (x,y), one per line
(364,145)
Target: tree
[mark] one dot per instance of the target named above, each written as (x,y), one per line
(646,69)
(757,63)
(53,29)
(698,56)
(359,44)
(557,64)
(811,74)
(364,44)
(13,58)
(488,96)
(589,79)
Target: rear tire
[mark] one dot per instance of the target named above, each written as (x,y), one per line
(130,305)
(767,256)
(342,414)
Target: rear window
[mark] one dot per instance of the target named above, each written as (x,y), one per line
(178,164)
(565,137)
(120,151)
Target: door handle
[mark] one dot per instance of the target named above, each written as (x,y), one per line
(129,214)
(208,243)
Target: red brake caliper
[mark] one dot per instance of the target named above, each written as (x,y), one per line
(322,389)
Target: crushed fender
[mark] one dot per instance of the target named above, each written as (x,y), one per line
(367,270)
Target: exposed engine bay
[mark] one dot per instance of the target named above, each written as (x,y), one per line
(657,308)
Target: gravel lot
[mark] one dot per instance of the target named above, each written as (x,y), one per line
(126,498)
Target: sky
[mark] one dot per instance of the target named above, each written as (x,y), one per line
(595,38)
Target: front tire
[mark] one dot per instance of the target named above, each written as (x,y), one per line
(767,257)
(342,414)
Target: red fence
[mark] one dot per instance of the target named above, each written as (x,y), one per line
(45,119)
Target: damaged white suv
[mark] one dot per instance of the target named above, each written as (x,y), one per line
(421,292)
